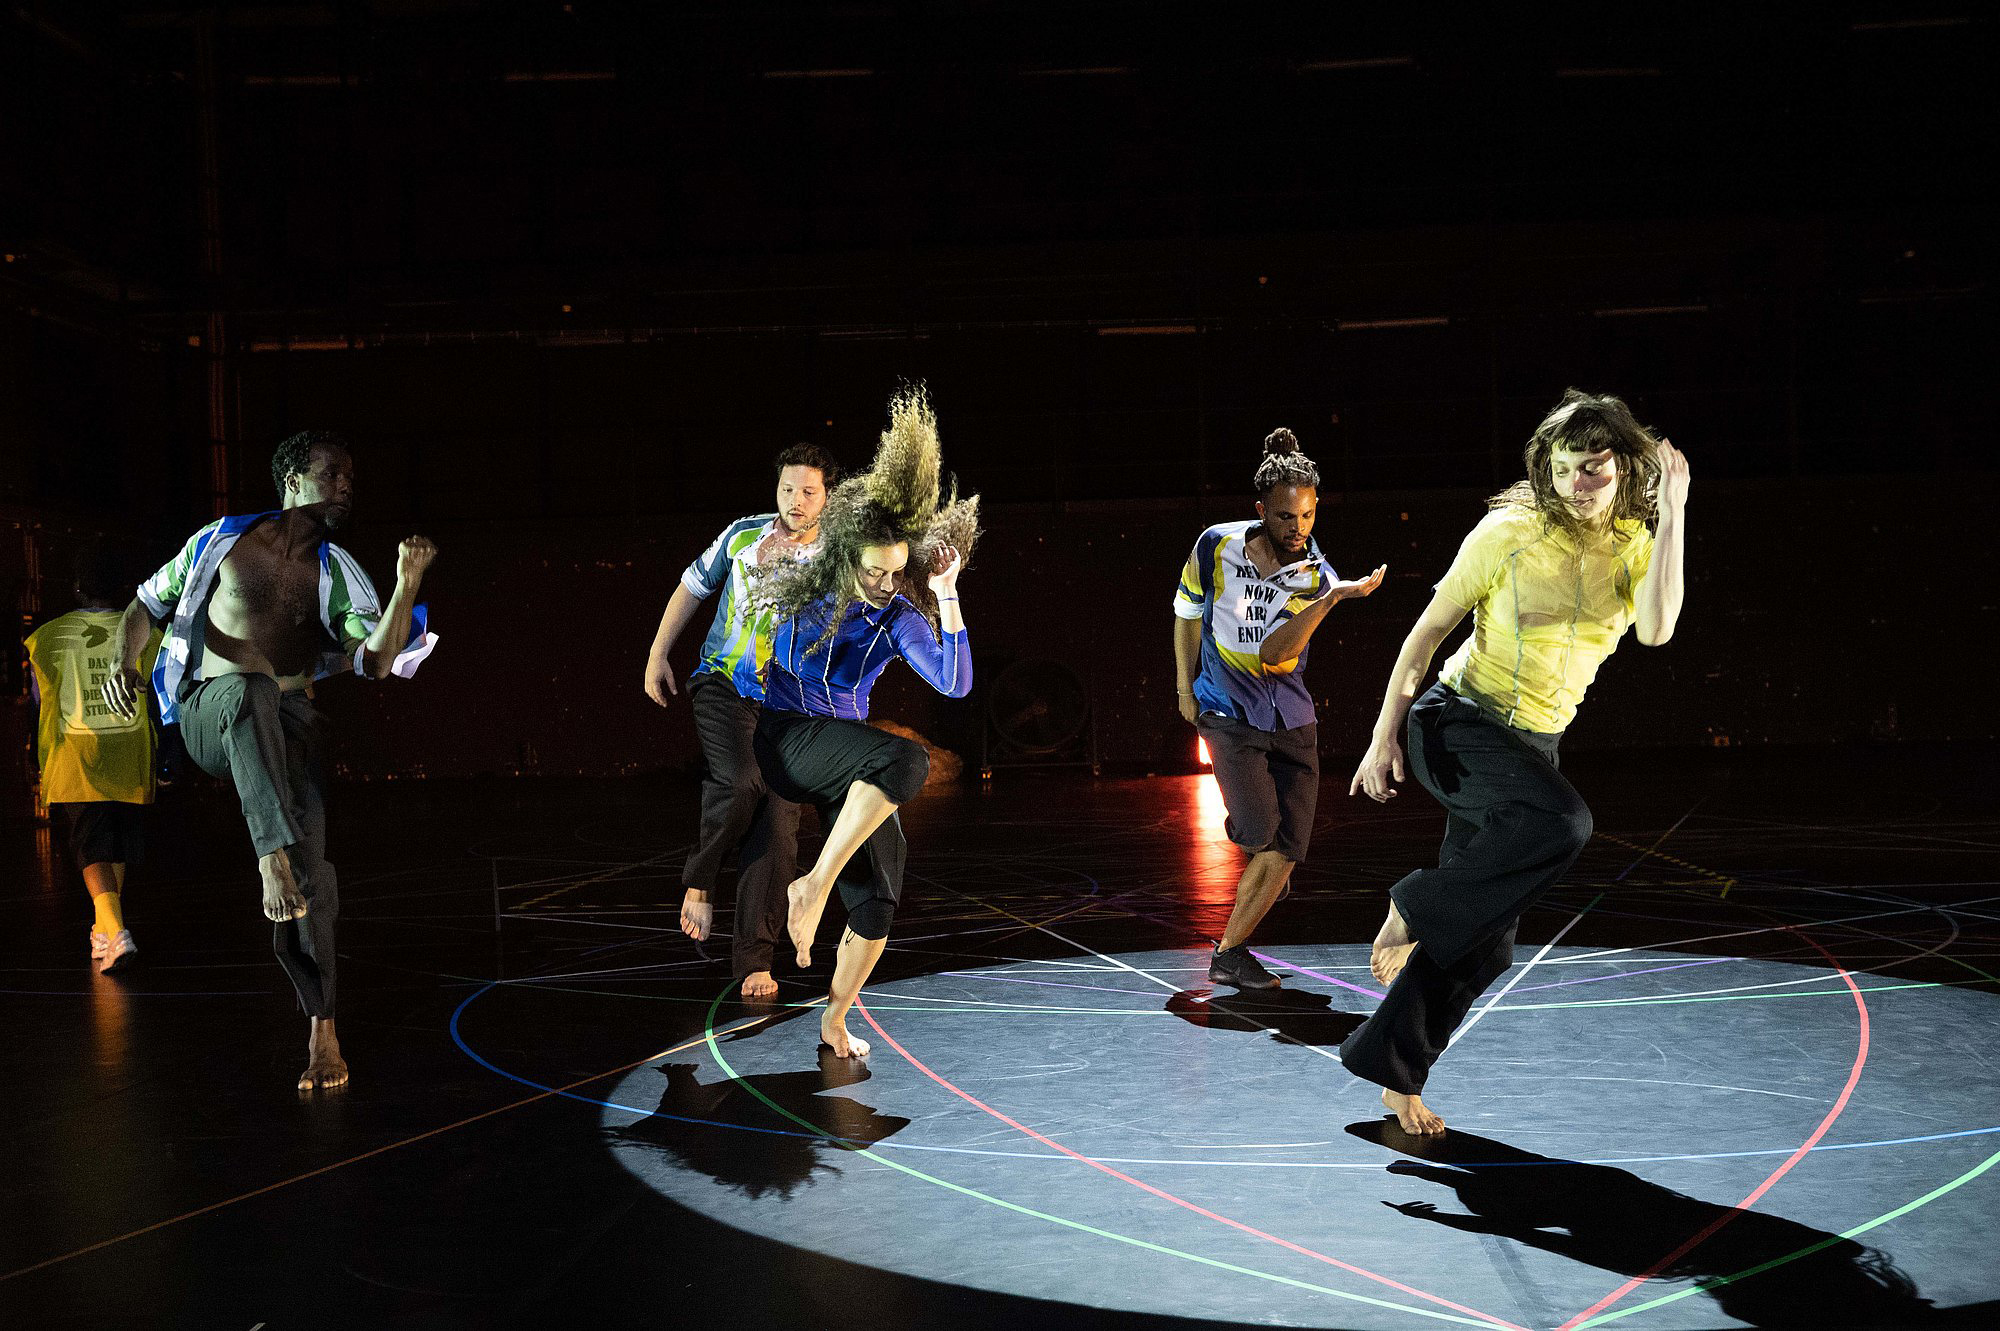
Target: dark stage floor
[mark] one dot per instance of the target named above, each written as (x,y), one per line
(1746,1071)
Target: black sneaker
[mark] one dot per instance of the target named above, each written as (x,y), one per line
(1236,966)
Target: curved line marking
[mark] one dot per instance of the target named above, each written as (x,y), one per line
(1805,1149)
(1883,1219)
(715,1052)
(919,1065)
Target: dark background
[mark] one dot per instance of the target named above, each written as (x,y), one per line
(570,274)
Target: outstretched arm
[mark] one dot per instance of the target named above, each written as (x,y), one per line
(392,632)
(1285,642)
(1657,598)
(1384,759)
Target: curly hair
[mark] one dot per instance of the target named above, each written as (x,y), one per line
(294,455)
(1589,423)
(898,499)
(1283,464)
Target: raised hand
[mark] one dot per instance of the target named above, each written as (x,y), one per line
(1342,590)
(946,562)
(1674,476)
(412,558)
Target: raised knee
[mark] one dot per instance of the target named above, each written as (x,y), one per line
(1575,827)
(255,693)
(871,919)
(904,771)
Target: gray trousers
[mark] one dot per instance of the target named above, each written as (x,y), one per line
(241,728)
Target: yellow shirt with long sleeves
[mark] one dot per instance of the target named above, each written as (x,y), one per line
(1545,614)
(89,754)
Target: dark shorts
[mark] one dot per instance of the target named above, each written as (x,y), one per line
(105,832)
(1269,781)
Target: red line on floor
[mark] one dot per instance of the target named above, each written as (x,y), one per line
(1839,1106)
(1018,1126)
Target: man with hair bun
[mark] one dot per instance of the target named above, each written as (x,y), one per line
(739,815)
(1590,544)
(1250,599)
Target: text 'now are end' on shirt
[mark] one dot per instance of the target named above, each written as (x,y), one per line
(1238,607)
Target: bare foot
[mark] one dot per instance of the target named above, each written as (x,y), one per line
(1412,1115)
(802,916)
(835,1037)
(697,914)
(282,899)
(325,1068)
(760,984)
(1392,949)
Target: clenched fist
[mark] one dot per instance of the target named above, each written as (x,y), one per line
(412,558)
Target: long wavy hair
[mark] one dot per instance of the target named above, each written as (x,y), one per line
(1589,423)
(899,498)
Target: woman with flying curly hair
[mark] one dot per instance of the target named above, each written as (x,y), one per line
(1588,545)
(841,619)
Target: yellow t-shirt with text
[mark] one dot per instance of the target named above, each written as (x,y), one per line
(88,753)
(1544,614)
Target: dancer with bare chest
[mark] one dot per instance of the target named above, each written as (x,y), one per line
(255,608)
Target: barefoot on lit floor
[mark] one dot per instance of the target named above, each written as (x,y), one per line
(759,984)
(836,1038)
(1412,1115)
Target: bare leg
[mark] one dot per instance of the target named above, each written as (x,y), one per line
(1411,1112)
(1392,949)
(325,1068)
(760,984)
(101,878)
(865,809)
(697,914)
(851,968)
(282,898)
(1261,887)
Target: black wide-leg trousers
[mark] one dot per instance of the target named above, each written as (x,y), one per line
(1513,828)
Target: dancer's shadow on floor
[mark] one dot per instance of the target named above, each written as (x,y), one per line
(1293,1016)
(740,1140)
(1613,1219)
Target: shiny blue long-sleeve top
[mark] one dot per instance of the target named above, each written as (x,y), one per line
(836,681)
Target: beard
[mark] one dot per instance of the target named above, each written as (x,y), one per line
(1277,542)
